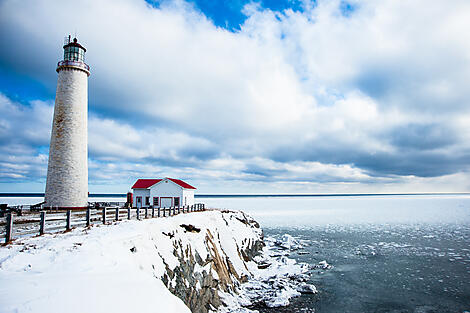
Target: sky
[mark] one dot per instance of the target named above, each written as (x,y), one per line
(246,97)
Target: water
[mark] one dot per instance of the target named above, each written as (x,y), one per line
(389,254)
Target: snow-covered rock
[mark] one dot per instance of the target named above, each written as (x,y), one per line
(322,265)
(288,242)
(199,262)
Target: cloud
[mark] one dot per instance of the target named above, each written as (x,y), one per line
(366,92)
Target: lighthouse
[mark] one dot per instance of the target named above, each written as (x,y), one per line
(67,170)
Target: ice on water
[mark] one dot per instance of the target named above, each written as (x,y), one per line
(399,253)
(281,278)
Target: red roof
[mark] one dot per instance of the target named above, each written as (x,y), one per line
(181,183)
(146,183)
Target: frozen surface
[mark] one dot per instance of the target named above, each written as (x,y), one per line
(301,212)
(272,286)
(372,254)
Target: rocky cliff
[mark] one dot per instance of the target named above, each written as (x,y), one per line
(216,263)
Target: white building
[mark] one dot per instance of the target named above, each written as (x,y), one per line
(67,171)
(167,192)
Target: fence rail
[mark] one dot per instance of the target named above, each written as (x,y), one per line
(38,223)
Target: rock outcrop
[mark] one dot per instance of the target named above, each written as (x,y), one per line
(215,264)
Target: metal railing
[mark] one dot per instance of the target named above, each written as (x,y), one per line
(73,63)
(32,223)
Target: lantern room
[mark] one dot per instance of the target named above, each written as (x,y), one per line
(73,51)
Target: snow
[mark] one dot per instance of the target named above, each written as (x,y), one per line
(289,243)
(97,267)
(324,265)
(93,271)
(118,268)
(273,286)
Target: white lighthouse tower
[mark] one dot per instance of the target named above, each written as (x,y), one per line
(67,171)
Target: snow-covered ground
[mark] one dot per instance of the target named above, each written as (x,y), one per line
(87,271)
(118,268)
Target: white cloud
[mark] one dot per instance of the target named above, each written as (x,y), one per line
(313,94)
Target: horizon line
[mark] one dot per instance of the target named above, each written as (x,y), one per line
(103,195)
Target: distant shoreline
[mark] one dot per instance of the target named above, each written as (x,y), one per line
(118,195)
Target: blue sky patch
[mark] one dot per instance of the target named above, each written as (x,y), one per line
(229,14)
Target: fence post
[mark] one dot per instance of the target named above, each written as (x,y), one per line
(164,209)
(178,209)
(158,212)
(42,223)
(174,210)
(69,215)
(104,215)
(9,228)
(129,213)
(117,214)
(138,213)
(146,212)
(153,212)
(88,217)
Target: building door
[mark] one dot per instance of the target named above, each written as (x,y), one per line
(138,202)
(166,202)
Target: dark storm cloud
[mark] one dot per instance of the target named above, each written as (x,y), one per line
(422,136)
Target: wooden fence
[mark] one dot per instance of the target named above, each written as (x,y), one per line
(32,223)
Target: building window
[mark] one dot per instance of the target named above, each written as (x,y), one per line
(147,200)
(138,200)
(177,201)
(155,201)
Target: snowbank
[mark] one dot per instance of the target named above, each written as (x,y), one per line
(200,262)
